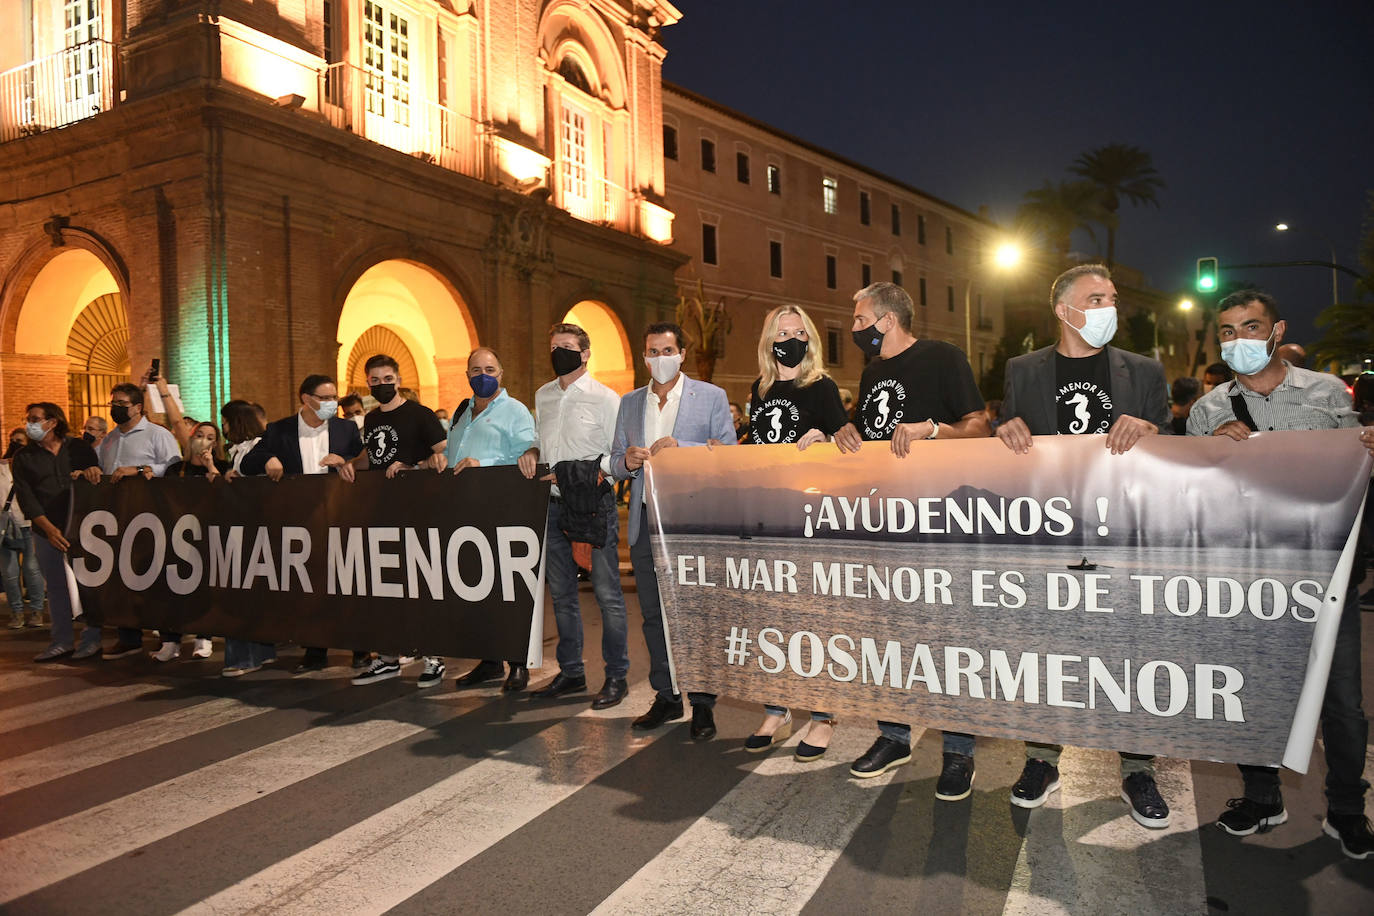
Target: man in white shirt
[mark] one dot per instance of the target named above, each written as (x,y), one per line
(575,421)
(134,447)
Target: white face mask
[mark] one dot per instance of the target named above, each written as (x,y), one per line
(359,420)
(1099,325)
(664,368)
(1246,356)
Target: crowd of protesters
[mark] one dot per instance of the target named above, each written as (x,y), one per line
(912,390)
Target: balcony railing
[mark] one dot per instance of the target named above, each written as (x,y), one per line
(57,90)
(386,111)
(605,202)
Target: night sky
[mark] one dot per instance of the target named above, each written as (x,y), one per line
(1254,112)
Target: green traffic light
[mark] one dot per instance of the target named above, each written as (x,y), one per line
(1206,274)
(1207,284)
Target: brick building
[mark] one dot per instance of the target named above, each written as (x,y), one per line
(254,190)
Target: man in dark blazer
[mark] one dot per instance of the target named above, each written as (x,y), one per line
(313,440)
(1082,386)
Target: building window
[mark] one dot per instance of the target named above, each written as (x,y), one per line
(923,291)
(386,61)
(81,66)
(949,240)
(865,274)
(708,244)
(669,142)
(921,229)
(897,277)
(830,194)
(775,259)
(833,349)
(331,33)
(774,180)
(949,297)
(708,156)
(865,208)
(896,220)
(574,138)
(831,269)
(742,167)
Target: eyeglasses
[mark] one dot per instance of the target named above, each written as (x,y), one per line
(121,404)
(799,333)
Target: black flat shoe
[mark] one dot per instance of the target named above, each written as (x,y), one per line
(484,673)
(519,678)
(703,723)
(560,685)
(662,711)
(757,744)
(612,692)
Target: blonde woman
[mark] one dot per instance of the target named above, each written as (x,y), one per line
(793,401)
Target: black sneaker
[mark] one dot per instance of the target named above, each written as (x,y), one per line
(881,757)
(1148,807)
(1357,840)
(433,675)
(956,779)
(1038,780)
(1244,816)
(379,670)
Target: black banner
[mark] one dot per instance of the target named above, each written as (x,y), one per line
(432,563)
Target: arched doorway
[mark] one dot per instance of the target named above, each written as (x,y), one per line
(405,306)
(48,345)
(612,362)
(98,354)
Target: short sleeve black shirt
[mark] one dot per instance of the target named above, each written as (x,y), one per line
(929,380)
(789,412)
(407,434)
(1083,393)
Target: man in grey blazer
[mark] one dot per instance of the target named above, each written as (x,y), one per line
(1082,386)
(671,411)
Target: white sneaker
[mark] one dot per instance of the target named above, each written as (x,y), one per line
(169,651)
(204,648)
(433,675)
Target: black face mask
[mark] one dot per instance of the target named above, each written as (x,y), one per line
(383,393)
(88,438)
(869,340)
(15,445)
(789,352)
(565,360)
(119,413)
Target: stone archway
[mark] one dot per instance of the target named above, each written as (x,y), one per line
(612,361)
(98,357)
(414,306)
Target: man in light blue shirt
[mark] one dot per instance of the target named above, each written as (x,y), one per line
(492,429)
(134,446)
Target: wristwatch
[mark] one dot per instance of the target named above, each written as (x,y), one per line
(934,429)
(143,469)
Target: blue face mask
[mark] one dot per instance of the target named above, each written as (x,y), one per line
(35,431)
(483,385)
(1246,356)
(327,409)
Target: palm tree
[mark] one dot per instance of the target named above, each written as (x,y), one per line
(1116,171)
(1054,210)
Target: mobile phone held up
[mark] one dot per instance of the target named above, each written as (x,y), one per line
(153,372)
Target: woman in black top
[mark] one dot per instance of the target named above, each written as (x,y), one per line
(792,401)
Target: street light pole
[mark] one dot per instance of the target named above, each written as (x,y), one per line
(1335,286)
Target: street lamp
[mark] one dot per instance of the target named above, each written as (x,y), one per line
(1185,305)
(1335,288)
(1007,256)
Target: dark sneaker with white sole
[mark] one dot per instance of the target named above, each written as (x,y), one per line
(1357,839)
(1148,807)
(956,778)
(1244,816)
(881,757)
(1038,780)
(379,670)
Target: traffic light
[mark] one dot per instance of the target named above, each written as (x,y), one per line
(1206,274)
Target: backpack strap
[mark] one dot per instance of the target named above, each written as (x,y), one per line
(1240,408)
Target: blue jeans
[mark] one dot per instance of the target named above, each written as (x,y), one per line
(59,599)
(561,572)
(1345,730)
(13,568)
(955,742)
(782,711)
(241,653)
(651,606)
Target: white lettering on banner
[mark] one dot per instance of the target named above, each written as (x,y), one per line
(1223,597)
(941,515)
(358,561)
(1159,687)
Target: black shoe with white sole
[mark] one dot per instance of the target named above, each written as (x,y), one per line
(1038,781)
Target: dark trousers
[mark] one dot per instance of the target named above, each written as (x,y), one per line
(646,582)
(1345,730)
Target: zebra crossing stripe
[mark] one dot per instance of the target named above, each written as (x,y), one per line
(1083,845)
(767,844)
(57,850)
(81,701)
(386,858)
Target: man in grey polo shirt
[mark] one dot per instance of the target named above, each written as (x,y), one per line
(1270,394)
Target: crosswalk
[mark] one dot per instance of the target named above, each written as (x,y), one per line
(133,787)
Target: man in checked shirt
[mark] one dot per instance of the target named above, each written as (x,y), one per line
(1269,394)
(575,421)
